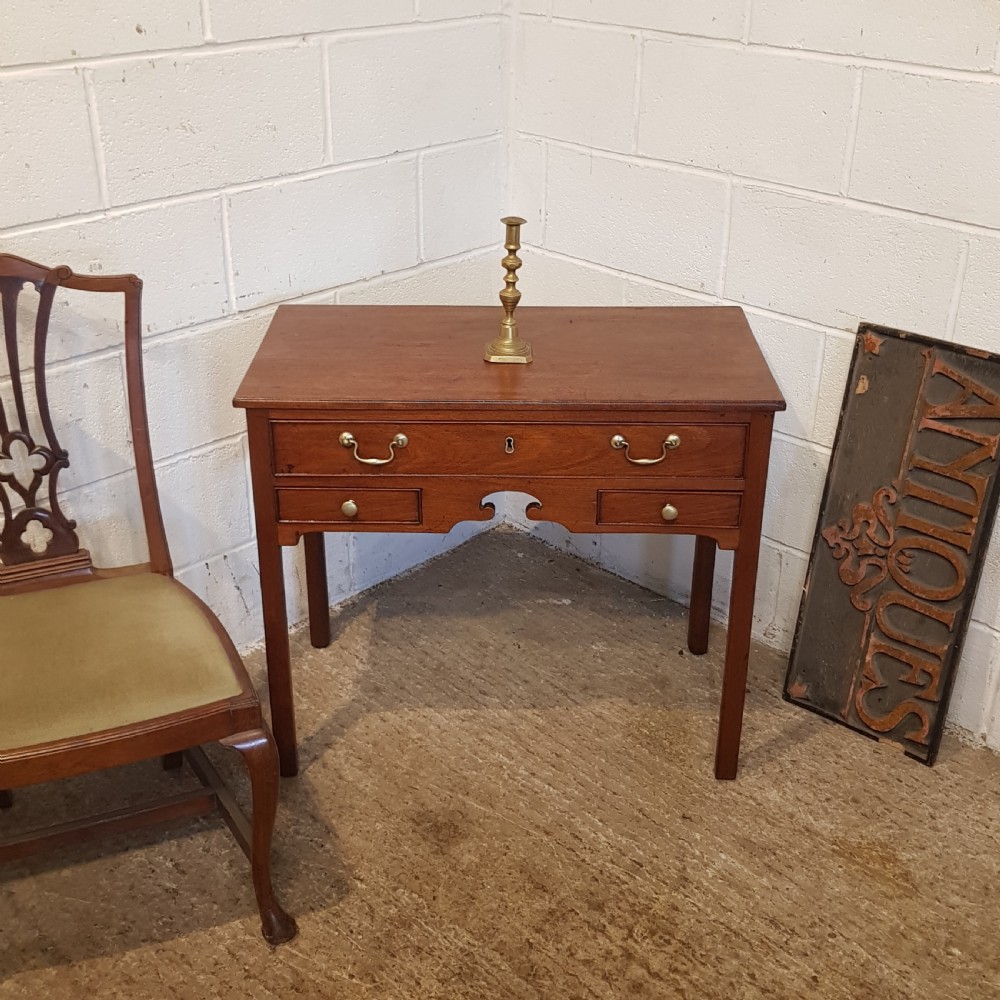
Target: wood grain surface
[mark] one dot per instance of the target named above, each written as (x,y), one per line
(401,355)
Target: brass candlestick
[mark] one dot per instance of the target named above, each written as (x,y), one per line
(509,348)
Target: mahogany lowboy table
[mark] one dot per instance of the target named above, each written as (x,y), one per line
(386,418)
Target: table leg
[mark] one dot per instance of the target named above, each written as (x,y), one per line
(700,612)
(272,593)
(317,589)
(741,599)
(734,681)
(279,664)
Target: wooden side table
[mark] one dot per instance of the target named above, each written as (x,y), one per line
(385,418)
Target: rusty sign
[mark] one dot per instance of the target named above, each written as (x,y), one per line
(906,515)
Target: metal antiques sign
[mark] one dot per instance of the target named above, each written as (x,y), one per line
(906,516)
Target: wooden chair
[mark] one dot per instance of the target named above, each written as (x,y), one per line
(102,667)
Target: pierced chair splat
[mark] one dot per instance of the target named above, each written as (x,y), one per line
(108,666)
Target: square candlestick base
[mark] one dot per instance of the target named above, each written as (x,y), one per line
(498,357)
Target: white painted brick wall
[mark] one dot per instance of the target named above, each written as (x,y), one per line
(556,65)
(48,31)
(406,90)
(817,163)
(645,218)
(979,304)
(456,219)
(50,171)
(301,236)
(231,20)
(430,10)
(213,359)
(177,248)
(961,34)
(836,264)
(713,18)
(89,394)
(212,120)
(930,145)
(801,139)
(236,155)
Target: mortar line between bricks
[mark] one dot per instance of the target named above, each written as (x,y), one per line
(747,16)
(818,449)
(219,553)
(778,187)
(640,279)
(198,450)
(204,448)
(784,546)
(218,323)
(90,96)
(227,252)
(206,21)
(249,546)
(509,99)
(271,43)
(190,52)
(419,199)
(324,54)
(691,293)
(637,91)
(800,321)
(727,227)
(818,395)
(248,496)
(989,628)
(956,295)
(188,197)
(545,193)
(851,142)
(221,322)
(941,72)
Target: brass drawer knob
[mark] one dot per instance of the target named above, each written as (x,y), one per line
(669,512)
(350,509)
(671,441)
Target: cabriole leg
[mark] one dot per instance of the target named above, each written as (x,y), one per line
(261,758)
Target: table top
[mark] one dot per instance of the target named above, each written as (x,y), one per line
(412,356)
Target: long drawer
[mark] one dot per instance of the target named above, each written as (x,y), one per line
(329,448)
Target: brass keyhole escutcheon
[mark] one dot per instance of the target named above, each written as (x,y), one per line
(669,512)
(508,446)
(349,508)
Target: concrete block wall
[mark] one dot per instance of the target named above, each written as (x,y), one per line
(236,155)
(818,164)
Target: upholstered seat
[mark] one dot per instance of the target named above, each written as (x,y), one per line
(142,649)
(102,666)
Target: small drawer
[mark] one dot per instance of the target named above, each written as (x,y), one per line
(644,508)
(349,506)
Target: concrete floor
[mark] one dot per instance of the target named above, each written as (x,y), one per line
(507,792)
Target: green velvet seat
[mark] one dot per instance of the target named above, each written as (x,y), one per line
(101,667)
(142,647)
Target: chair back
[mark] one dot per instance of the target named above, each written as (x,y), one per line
(37,540)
